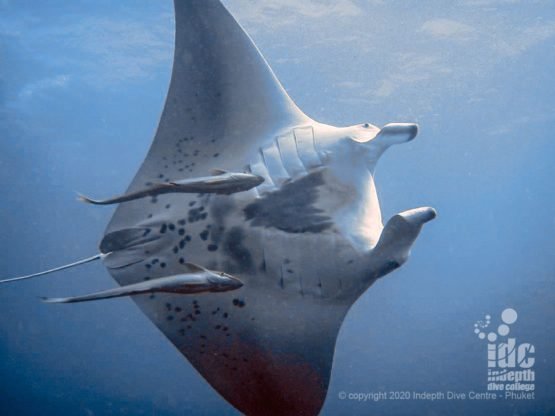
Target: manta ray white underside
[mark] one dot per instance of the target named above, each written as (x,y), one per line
(306,243)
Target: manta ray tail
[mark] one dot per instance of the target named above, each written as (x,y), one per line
(87,200)
(56,269)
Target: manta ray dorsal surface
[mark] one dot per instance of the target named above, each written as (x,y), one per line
(305,243)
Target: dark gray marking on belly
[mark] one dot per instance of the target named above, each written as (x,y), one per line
(234,247)
(291,208)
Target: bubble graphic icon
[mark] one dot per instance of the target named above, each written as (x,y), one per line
(503,330)
(509,316)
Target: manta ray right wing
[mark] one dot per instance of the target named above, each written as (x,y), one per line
(223,103)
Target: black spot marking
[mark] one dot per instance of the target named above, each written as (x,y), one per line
(170,318)
(216,155)
(225,315)
(162,265)
(212,247)
(181,260)
(204,235)
(171,227)
(181,231)
(238,302)
(196,214)
(163,228)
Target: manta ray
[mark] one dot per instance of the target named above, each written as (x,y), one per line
(306,242)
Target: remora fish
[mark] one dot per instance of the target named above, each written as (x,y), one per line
(222,182)
(199,280)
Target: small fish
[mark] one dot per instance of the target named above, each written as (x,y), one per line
(223,182)
(198,280)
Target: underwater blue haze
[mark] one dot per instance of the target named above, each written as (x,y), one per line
(82,85)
